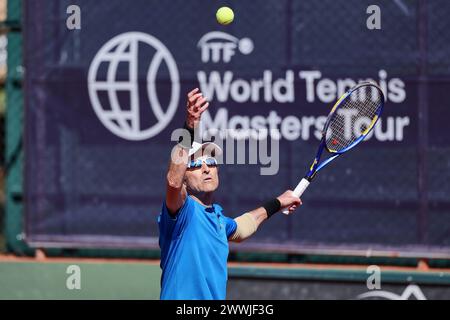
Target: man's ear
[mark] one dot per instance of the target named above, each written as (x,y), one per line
(185,184)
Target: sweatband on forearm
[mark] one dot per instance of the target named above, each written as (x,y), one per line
(246,226)
(272,207)
(187,139)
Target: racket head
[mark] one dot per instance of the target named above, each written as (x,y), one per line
(353,117)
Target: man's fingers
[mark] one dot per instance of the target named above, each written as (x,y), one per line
(296,201)
(196,113)
(205,106)
(200,101)
(194,98)
(190,94)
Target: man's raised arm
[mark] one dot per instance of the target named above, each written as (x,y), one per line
(176,191)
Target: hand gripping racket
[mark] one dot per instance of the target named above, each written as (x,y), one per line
(349,122)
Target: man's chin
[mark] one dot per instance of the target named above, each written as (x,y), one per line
(209,186)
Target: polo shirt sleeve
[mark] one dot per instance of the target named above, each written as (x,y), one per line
(173,226)
(230,226)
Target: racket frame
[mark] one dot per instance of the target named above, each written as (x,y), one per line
(316,166)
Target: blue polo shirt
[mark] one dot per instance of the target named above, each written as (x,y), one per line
(194,252)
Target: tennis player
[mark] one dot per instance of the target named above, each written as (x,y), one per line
(194,232)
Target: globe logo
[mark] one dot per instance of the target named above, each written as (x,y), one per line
(107,90)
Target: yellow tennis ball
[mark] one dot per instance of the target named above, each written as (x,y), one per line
(225,15)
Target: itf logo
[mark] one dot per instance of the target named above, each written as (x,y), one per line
(114,87)
(219,46)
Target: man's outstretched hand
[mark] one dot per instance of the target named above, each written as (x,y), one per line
(289,200)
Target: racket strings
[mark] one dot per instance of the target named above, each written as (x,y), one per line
(353,118)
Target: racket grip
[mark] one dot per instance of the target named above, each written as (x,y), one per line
(299,189)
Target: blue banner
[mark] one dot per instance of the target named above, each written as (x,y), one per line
(103,98)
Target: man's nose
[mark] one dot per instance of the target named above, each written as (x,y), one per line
(205,168)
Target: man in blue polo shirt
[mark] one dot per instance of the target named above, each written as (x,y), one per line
(194,233)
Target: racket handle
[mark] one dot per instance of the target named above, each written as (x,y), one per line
(299,189)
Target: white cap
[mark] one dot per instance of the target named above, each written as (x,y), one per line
(207,148)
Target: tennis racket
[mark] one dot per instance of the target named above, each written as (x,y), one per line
(349,122)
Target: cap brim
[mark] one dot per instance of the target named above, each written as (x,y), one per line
(207,148)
